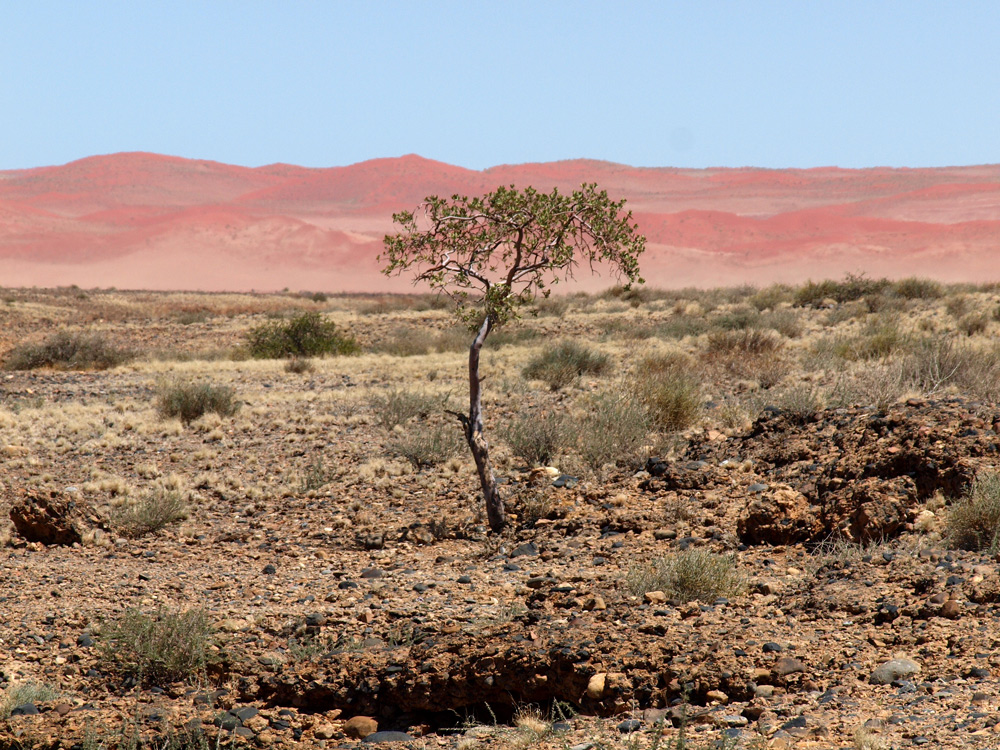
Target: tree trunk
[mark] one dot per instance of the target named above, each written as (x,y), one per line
(495,513)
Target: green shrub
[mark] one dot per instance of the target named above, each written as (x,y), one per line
(398,406)
(189,401)
(693,574)
(564,363)
(536,438)
(613,430)
(305,335)
(150,512)
(914,288)
(750,341)
(770,297)
(429,446)
(160,648)
(668,387)
(738,318)
(68,351)
(974,522)
(853,287)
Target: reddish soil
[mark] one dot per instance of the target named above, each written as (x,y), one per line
(157,222)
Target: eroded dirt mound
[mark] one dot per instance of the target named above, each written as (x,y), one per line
(53,517)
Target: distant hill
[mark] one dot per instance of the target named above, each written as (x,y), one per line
(137,220)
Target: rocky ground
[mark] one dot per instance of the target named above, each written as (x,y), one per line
(353,597)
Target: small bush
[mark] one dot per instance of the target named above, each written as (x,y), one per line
(694,574)
(800,402)
(149,512)
(536,438)
(429,446)
(974,522)
(25,692)
(305,335)
(68,351)
(399,406)
(669,389)
(564,363)
(680,326)
(613,430)
(738,318)
(772,296)
(853,287)
(751,341)
(914,288)
(299,365)
(974,323)
(189,401)
(160,648)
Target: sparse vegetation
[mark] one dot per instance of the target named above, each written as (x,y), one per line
(564,363)
(429,446)
(25,692)
(158,648)
(612,430)
(974,521)
(68,350)
(151,511)
(308,334)
(398,405)
(189,401)
(536,438)
(669,387)
(693,574)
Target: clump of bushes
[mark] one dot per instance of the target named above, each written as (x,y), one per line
(399,405)
(974,521)
(305,335)
(160,648)
(852,287)
(916,288)
(428,446)
(666,384)
(693,574)
(189,401)
(69,351)
(564,363)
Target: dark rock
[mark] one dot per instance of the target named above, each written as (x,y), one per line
(629,725)
(371,573)
(269,570)
(528,549)
(565,480)
(25,709)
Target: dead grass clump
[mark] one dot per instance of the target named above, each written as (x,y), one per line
(974,323)
(695,574)
(852,287)
(941,362)
(680,326)
(68,351)
(160,648)
(399,405)
(878,385)
(748,342)
(189,401)
(786,322)
(564,363)
(668,386)
(149,512)
(751,353)
(771,297)
(974,521)
(536,438)
(25,692)
(800,402)
(299,365)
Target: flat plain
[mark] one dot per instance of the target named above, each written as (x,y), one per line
(750,517)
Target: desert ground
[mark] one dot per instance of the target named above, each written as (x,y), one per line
(738,517)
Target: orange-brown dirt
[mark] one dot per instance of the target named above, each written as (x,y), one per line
(144,221)
(350,590)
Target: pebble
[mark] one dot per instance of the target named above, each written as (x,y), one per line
(893,670)
(787,665)
(629,725)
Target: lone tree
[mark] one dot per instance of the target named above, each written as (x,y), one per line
(493,254)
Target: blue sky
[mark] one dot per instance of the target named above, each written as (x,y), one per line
(798,83)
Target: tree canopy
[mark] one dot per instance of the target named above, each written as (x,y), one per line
(495,253)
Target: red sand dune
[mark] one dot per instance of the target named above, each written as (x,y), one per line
(157,222)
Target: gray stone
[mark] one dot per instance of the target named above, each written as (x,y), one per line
(387,736)
(893,670)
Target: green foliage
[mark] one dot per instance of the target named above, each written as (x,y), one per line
(564,363)
(536,438)
(68,351)
(189,401)
(914,288)
(693,574)
(670,390)
(974,522)
(510,245)
(853,287)
(305,335)
(160,648)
